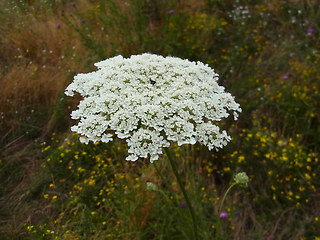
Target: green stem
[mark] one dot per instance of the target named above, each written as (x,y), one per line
(218,231)
(224,196)
(176,173)
(175,203)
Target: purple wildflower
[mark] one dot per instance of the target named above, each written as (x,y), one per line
(223,215)
(171,11)
(73,3)
(309,31)
(285,76)
(183,204)
(58,25)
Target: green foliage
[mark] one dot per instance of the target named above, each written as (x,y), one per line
(108,198)
(267,54)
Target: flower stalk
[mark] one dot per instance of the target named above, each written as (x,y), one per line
(182,188)
(241,179)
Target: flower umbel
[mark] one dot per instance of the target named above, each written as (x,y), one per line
(150,100)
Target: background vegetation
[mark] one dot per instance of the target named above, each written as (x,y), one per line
(267,55)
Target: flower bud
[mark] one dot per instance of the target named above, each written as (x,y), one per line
(151,187)
(241,179)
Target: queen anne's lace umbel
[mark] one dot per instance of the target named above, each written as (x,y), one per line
(151,100)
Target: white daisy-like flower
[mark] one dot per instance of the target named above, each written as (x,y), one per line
(150,101)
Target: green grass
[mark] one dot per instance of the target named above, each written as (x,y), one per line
(267,54)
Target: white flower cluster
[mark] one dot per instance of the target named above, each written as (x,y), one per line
(150,100)
(240,13)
